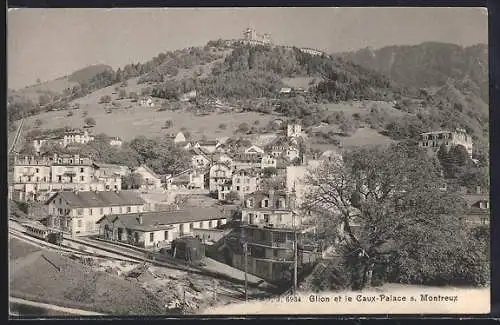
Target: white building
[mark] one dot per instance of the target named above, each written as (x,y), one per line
(37,178)
(147,102)
(115,142)
(432,141)
(159,229)
(77,212)
(293,130)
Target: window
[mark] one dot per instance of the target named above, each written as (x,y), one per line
(101,211)
(129,209)
(210,224)
(37,170)
(265,203)
(81,169)
(82,178)
(166,234)
(79,212)
(266,217)
(237,180)
(121,210)
(191,226)
(37,179)
(152,237)
(90,211)
(237,188)
(79,223)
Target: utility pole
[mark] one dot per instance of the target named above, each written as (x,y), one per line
(245,252)
(295,256)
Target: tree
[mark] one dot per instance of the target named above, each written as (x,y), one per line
(90,121)
(379,201)
(232,196)
(269,172)
(105,99)
(222,126)
(243,128)
(133,181)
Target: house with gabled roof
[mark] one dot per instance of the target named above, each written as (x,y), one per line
(159,229)
(77,212)
(200,158)
(151,180)
(477,208)
(209,145)
(254,150)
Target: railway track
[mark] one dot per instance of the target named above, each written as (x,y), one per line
(64,248)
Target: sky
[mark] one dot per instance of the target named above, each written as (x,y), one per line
(51,43)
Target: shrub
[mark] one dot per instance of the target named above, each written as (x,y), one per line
(222,126)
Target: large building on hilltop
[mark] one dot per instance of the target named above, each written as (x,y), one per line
(251,36)
(432,141)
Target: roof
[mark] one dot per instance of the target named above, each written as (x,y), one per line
(200,151)
(163,219)
(95,199)
(149,170)
(472,199)
(208,142)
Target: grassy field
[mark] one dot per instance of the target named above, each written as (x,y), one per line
(299,82)
(135,121)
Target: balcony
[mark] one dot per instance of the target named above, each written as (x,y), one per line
(271,244)
(273,226)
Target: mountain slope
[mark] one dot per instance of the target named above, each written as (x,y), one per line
(428,64)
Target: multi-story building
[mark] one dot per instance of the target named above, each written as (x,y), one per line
(220,180)
(159,229)
(77,136)
(69,137)
(268,161)
(199,158)
(271,227)
(246,160)
(77,212)
(35,178)
(246,181)
(250,36)
(293,130)
(432,141)
(285,147)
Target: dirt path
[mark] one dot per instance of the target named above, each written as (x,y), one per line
(53,307)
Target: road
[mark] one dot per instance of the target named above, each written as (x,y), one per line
(18,132)
(53,307)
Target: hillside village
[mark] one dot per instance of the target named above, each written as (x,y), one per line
(238,192)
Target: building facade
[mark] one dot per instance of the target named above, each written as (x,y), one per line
(159,229)
(432,141)
(77,213)
(271,228)
(246,181)
(36,178)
